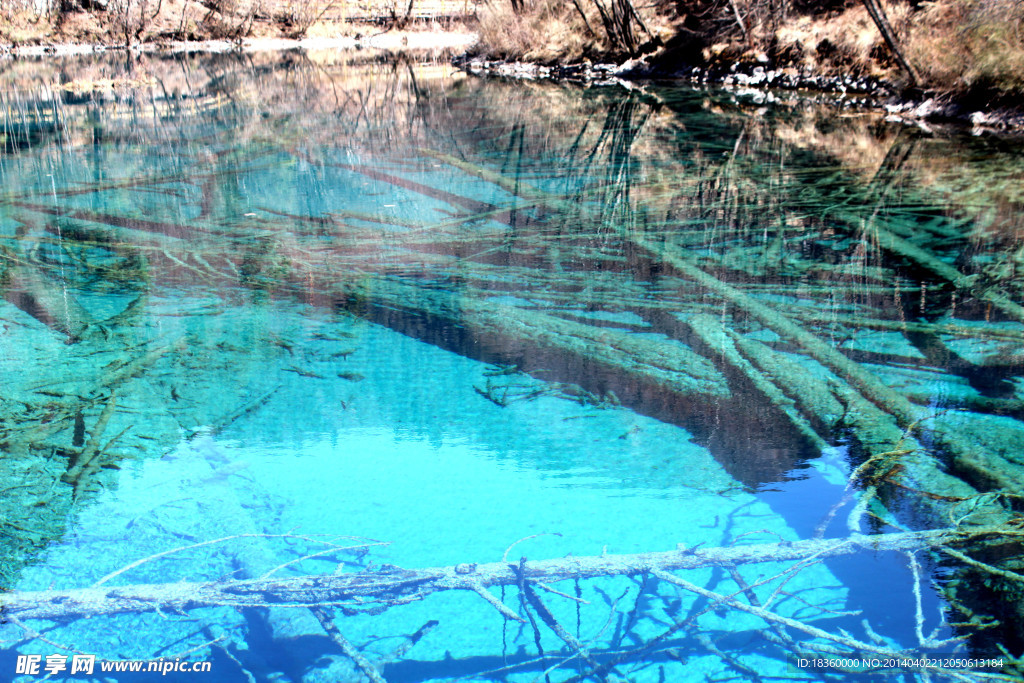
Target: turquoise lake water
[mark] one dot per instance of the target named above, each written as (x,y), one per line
(309,315)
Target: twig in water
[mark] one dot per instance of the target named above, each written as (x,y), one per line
(495,603)
(326,620)
(520,571)
(504,556)
(32,633)
(192,546)
(549,619)
(328,551)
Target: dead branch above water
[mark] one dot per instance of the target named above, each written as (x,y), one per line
(375,591)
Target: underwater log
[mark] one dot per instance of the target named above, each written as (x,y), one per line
(45,300)
(491,324)
(982,468)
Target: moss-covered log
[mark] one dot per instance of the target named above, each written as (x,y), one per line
(927,260)
(984,469)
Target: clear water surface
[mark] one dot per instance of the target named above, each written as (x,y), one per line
(290,315)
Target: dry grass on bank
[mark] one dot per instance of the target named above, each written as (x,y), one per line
(847,41)
(117,22)
(964,47)
(970,45)
(959,46)
(550,30)
(132,21)
(565,31)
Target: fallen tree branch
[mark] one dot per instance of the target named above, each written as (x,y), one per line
(772,618)
(375,591)
(331,549)
(81,461)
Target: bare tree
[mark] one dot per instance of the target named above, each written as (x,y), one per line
(621,21)
(874,8)
(300,15)
(130,18)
